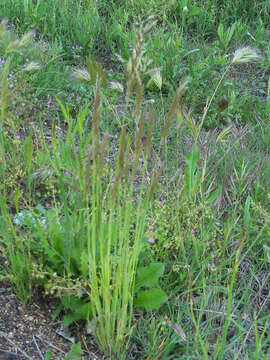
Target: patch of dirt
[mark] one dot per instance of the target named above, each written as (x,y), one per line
(28,332)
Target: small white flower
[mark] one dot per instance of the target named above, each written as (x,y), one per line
(185,9)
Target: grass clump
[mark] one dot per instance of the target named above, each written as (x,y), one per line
(142,202)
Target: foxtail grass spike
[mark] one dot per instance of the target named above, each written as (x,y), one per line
(179,92)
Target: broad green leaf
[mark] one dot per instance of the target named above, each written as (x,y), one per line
(57,311)
(190,169)
(150,299)
(81,313)
(221,32)
(48,355)
(149,275)
(195,10)
(72,302)
(230,33)
(76,350)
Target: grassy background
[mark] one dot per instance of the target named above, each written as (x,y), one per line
(208,221)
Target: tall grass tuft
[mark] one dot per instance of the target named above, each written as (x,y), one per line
(92,239)
(116,230)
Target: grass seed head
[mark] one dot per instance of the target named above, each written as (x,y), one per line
(155,77)
(81,74)
(245,55)
(116,85)
(33,65)
(27,38)
(13,46)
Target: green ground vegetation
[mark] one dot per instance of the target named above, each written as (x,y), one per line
(135,171)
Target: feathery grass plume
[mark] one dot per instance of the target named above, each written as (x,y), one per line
(27,38)
(13,46)
(245,55)
(135,61)
(18,44)
(223,134)
(179,92)
(91,73)
(155,77)
(148,24)
(190,122)
(33,65)
(116,85)
(3,28)
(82,74)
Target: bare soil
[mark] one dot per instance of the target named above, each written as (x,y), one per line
(28,331)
